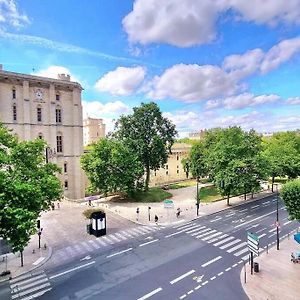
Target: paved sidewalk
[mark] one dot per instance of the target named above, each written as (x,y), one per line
(278,277)
(167,216)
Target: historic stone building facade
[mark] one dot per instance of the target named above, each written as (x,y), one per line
(38,107)
(93,130)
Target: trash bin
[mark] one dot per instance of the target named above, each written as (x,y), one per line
(98,223)
(256,267)
(88,228)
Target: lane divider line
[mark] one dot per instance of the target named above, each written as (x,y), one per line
(150,294)
(71,270)
(182,276)
(117,253)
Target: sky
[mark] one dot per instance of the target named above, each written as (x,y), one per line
(206,63)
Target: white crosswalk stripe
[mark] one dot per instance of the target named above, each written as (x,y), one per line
(206,233)
(114,238)
(197,229)
(94,244)
(86,246)
(236,247)
(29,286)
(70,251)
(185,225)
(230,244)
(100,241)
(126,233)
(241,252)
(79,249)
(217,238)
(120,236)
(211,236)
(224,241)
(200,231)
(107,239)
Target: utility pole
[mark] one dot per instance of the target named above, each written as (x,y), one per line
(198,200)
(277,217)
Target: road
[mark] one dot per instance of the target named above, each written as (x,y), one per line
(201,259)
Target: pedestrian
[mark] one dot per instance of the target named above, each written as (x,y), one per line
(58,205)
(90,202)
(178,212)
(52,206)
(156,219)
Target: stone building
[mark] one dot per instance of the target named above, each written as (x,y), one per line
(173,170)
(38,107)
(93,130)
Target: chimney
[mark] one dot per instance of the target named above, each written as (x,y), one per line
(65,77)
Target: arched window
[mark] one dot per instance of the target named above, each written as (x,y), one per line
(39,113)
(65,167)
(14,93)
(58,114)
(40,136)
(59,143)
(57,96)
(14,112)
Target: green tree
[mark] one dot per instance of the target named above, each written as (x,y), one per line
(149,134)
(186,164)
(290,193)
(28,186)
(282,152)
(197,160)
(112,167)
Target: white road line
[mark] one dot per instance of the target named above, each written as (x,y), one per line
(29,285)
(101,242)
(245,257)
(236,247)
(172,234)
(287,222)
(211,236)
(260,230)
(190,231)
(255,206)
(150,294)
(215,220)
(271,235)
(272,229)
(182,276)
(214,277)
(186,226)
(243,210)
(231,214)
(26,281)
(233,266)
(189,292)
(25,276)
(223,241)
(241,252)
(205,282)
(266,202)
(95,245)
(38,260)
(138,231)
(86,246)
(217,238)
(226,270)
(182,297)
(198,287)
(260,217)
(120,236)
(117,253)
(78,249)
(36,295)
(71,270)
(200,231)
(153,241)
(126,233)
(206,233)
(262,235)
(230,244)
(221,273)
(211,261)
(70,251)
(108,240)
(181,224)
(114,238)
(21,294)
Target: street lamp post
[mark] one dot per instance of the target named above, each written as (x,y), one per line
(149,208)
(198,198)
(277,218)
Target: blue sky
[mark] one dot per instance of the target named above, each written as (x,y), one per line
(206,63)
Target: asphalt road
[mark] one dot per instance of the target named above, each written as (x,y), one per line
(201,259)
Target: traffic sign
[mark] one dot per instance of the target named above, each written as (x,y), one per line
(253,243)
(168,203)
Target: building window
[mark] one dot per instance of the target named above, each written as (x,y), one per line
(177,157)
(177,171)
(57,97)
(59,144)
(65,168)
(14,94)
(66,184)
(167,173)
(39,114)
(14,112)
(58,115)
(40,136)
(166,167)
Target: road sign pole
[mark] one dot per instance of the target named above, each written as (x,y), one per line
(277,214)
(251,254)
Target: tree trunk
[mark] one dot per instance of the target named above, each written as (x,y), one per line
(22,261)
(273,179)
(252,195)
(228,199)
(147,178)
(245,196)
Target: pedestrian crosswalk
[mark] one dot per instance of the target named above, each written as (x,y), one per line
(84,247)
(29,286)
(217,238)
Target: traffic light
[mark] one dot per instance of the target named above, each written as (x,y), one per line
(38,224)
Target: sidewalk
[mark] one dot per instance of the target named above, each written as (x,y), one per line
(167,216)
(278,277)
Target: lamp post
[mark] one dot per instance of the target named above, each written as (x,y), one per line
(198,198)
(149,208)
(39,232)
(277,218)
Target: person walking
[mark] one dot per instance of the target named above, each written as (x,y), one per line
(156,219)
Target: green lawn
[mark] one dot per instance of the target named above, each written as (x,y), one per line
(182,184)
(153,195)
(209,194)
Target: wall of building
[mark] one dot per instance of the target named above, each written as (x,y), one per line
(32,92)
(93,130)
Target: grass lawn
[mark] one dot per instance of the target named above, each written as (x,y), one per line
(153,195)
(209,194)
(182,184)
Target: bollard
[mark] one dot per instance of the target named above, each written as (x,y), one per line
(245,273)
(267,248)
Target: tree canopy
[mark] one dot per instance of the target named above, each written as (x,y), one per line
(149,135)
(290,194)
(28,186)
(112,167)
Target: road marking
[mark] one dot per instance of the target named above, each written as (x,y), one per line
(38,261)
(287,222)
(117,253)
(70,251)
(217,238)
(266,202)
(190,231)
(262,235)
(241,252)
(114,238)
(230,244)
(260,217)
(172,234)
(150,294)
(126,233)
(181,225)
(212,278)
(101,242)
(86,246)
(272,235)
(223,241)
(71,270)
(79,249)
(95,245)
(203,230)
(217,219)
(255,206)
(233,266)
(120,236)
(205,282)
(211,236)
(21,282)
(206,233)
(243,210)
(273,229)
(189,292)
(153,241)
(186,226)
(211,261)
(221,273)
(198,287)
(236,247)
(226,270)
(182,297)
(182,276)
(260,230)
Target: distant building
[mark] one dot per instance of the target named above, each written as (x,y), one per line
(38,107)
(197,135)
(93,130)
(173,170)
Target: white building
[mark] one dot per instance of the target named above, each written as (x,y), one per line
(38,107)
(93,130)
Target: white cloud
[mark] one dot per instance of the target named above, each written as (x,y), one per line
(9,15)
(192,83)
(53,71)
(293,101)
(109,112)
(122,81)
(185,23)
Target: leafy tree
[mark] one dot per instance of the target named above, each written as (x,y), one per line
(290,194)
(28,186)
(186,164)
(197,160)
(112,167)
(282,152)
(148,134)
